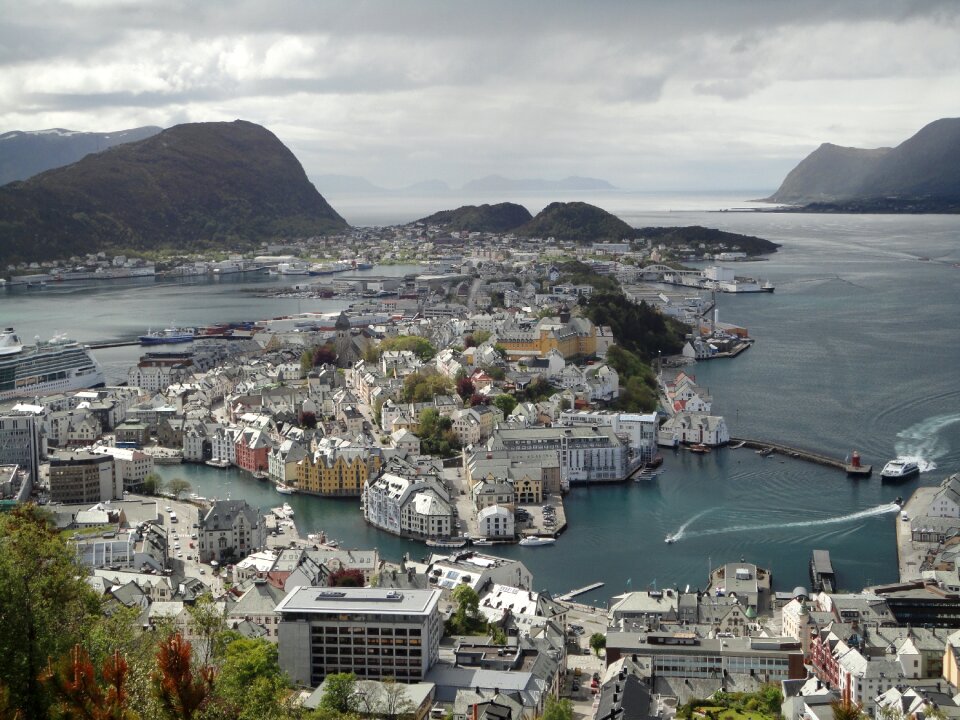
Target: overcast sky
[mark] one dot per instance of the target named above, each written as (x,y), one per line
(668,95)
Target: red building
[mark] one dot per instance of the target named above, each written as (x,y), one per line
(252,447)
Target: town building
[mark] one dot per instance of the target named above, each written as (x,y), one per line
(83,477)
(21,442)
(586,454)
(230,529)
(131,466)
(372,632)
(338,469)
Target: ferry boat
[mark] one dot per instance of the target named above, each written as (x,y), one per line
(285,489)
(537,541)
(168,336)
(900,469)
(55,366)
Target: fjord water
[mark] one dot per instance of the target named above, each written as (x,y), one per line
(857,349)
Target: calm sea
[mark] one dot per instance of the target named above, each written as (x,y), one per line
(857,349)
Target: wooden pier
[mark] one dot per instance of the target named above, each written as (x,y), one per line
(579,591)
(801,454)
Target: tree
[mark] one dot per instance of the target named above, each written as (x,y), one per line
(506,404)
(481,336)
(45,604)
(396,703)
(207,625)
(81,695)
(182,692)
(323,355)
(307,419)
(468,602)
(598,641)
(178,486)
(421,347)
(465,387)
(478,399)
(424,385)
(557,709)
(338,692)
(153,484)
(346,577)
(844,709)
(251,684)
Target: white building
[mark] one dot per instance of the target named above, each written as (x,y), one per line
(696,428)
(131,466)
(946,503)
(495,521)
(223,445)
(419,507)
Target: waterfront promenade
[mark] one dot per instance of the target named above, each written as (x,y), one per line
(910,554)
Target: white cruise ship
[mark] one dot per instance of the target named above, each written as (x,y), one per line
(51,367)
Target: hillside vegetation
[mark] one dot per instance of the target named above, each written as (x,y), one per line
(577,221)
(194,186)
(922,174)
(502,217)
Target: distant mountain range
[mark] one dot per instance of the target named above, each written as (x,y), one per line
(922,174)
(194,186)
(24,154)
(353,184)
(497,183)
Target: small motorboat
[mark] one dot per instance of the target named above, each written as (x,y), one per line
(669,539)
(699,448)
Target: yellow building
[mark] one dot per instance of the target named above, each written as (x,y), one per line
(338,472)
(570,337)
(528,490)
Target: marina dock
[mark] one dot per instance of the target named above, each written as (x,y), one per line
(801,454)
(579,591)
(822,577)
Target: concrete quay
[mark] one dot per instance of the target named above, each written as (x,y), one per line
(910,554)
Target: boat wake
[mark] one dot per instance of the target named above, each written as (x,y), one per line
(682,530)
(851,517)
(922,442)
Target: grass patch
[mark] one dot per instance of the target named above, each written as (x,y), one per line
(88,531)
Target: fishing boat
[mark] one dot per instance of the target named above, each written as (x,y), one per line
(446,542)
(168,336)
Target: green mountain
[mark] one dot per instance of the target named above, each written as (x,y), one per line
(193,186)
(712,239)
(921,174)
(502,217)
(576,221)
(23,154)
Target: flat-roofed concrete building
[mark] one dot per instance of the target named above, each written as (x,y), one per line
(82,477)
(686,655)
(373,632)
